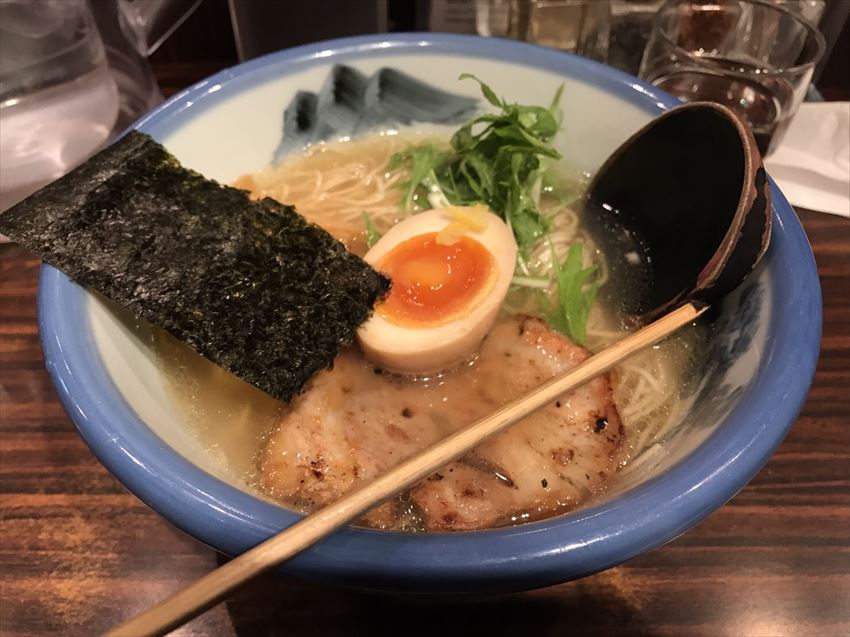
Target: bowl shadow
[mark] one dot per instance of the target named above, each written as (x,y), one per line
(276,605)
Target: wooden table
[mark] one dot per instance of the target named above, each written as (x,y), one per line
(78,553)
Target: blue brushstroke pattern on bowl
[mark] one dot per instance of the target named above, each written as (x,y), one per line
(763,354)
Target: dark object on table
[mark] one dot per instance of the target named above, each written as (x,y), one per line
(252,286)
(699,242)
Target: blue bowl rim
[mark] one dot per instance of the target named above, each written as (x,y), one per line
(535,554)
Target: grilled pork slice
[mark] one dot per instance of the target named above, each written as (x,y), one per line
(354,422)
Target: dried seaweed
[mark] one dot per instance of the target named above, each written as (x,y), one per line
(250,285)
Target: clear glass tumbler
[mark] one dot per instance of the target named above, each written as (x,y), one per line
(753,56)
(73,74)
(58,99)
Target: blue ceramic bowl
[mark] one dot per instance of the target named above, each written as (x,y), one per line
(762,355)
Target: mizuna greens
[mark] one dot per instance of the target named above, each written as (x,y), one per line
(501,159)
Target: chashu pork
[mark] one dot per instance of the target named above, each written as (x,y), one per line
(354,422)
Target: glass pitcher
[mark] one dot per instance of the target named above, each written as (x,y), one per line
(73,73)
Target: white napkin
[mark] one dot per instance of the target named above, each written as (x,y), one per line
(812,164)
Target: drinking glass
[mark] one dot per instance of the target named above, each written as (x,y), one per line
(755,57)
(58,100)
(73,74)
(630,26)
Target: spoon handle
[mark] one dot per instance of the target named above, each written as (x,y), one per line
(212,588)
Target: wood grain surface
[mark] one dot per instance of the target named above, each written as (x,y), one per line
(78,553)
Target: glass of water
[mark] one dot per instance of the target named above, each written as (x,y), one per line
(754,56)
(58,100)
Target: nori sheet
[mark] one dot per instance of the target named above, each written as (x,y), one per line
(250,285)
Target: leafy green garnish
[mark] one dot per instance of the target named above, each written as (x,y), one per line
(423,160)
(501,159)
(496,159)
(372,235)
(574,294)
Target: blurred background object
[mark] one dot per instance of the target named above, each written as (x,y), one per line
(211,34)
(131,31)
(611,31)
(261,27)
(73,74)
(58,100)
(754,56)
(631,24)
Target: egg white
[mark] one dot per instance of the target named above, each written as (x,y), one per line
(425,350)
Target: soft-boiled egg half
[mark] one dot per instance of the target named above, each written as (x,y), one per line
(451,269)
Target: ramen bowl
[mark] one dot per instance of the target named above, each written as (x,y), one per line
(758,361)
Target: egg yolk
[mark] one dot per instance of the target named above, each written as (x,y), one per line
(434,283)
